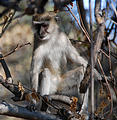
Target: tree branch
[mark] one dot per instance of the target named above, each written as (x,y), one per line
(92,63)
(99,37)
(21,112)
(7,24)
(61,3)
(5,67)
(82,14)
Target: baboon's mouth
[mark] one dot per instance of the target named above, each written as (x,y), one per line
(42,36)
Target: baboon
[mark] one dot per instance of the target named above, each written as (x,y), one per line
(51,53)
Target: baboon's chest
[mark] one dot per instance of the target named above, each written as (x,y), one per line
(55,62)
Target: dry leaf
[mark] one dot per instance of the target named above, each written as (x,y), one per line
(73,105)
(102,93)
(32,98)
(101,108)
(21,89)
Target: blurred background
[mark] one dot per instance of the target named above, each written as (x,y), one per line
(20,32)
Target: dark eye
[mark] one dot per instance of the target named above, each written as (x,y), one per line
(45,25)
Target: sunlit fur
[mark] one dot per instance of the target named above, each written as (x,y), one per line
(50,57)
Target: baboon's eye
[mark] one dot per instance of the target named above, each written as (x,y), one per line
(45,25)
(35,18)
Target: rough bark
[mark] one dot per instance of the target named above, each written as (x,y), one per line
(99,37)
(82,13)
(21,112)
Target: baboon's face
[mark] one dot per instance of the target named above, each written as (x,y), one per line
(43,25)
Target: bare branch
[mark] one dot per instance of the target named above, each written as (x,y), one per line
(97,44)
(108,86)
(114,8)
(5,67)
(92,63)
(61,98)
(82,14)
(100,32)
(110,61)
(15,49)
(5,83)
(12,88)
(84,31)
(112,21)
(104,53)
(7,24)
(21,112)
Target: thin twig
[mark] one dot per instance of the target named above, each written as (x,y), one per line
(110,61)
(104,53)
(82,21)
(15,49)
(114,109)
(6,26)
(114,8)
(111,53)
(16,17)
(108,86)
(78,23)
(112,21)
